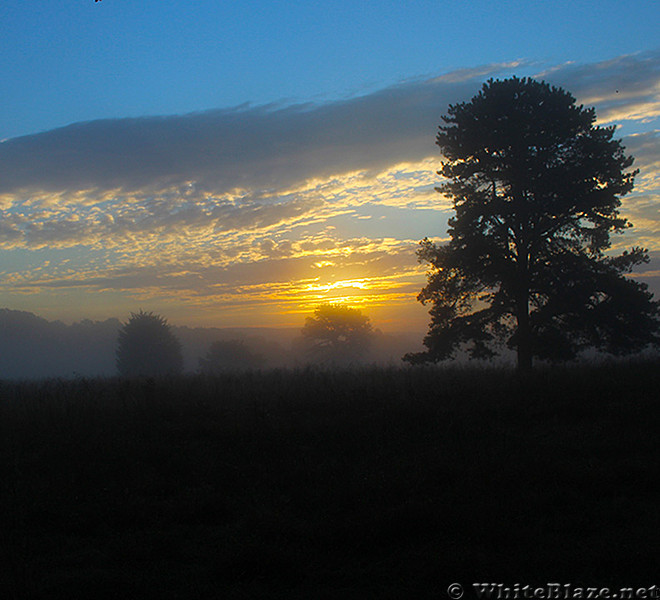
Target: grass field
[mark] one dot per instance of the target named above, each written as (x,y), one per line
(373,483)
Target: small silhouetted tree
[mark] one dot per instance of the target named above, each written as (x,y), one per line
(337,334)
(536,189)
(147,347)
(229,355)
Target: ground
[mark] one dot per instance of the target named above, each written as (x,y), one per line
(370,483)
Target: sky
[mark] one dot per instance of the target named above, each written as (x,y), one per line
(238,164)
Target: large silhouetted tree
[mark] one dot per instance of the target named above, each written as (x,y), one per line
(536,189)
(337,334)
(147,347)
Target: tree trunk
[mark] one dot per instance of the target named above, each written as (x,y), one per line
(524,334)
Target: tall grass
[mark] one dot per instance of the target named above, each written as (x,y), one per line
(366,483)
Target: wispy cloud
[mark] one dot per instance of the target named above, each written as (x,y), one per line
(626,88)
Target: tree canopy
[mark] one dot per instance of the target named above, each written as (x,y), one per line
(146,346)
(337,333)
(535,186)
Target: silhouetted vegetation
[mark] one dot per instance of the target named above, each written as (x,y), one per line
(147,347)
(337,334)
(371,483)
(32,347)
(229,355)
(536,190)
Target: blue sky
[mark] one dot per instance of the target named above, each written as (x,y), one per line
(292,160)
(74,60)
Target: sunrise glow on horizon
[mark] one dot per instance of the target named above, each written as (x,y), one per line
(214,165)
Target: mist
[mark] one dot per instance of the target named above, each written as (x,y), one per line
(32,347)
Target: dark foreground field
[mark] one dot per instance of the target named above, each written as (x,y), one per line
(380,483)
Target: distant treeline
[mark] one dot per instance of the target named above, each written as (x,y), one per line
(33,347)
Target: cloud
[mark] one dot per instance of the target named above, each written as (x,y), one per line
(263,203)
(247,168)
(223,151)
(645,147)
(243,151)
(248,154)
(624,88)
(289,277)
(271,147)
